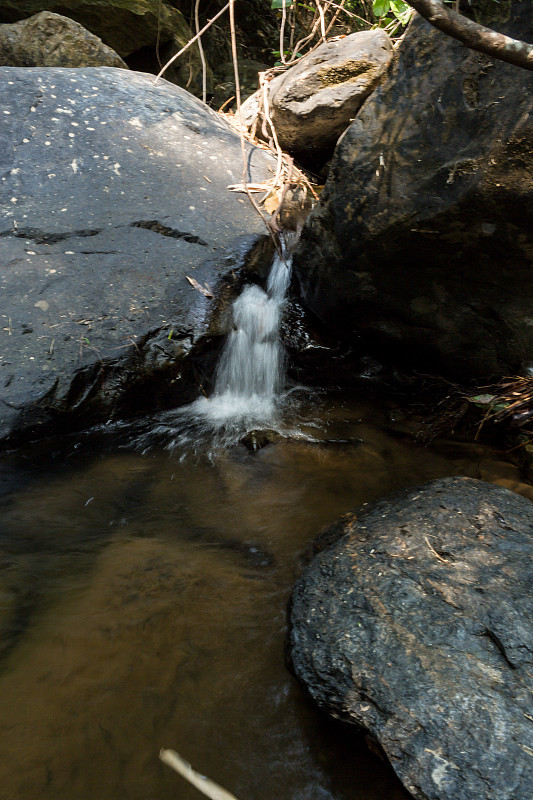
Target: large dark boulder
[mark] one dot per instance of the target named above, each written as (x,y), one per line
(113,190)
(51,40)
(422,244)
(414,622)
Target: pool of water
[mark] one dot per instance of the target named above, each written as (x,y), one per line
(143,596)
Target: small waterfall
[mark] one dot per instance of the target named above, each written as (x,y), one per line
(250,373)
(250,376)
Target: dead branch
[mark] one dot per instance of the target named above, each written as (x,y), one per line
(473,35)
(199,781)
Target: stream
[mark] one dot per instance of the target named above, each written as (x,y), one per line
(144,579)
(143,600)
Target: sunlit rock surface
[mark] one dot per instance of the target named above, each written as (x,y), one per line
(113,191)
(314,101)
(125,25)
(51,40)
(130,27)
(422,245)
(413,621)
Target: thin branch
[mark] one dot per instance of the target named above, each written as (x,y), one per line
(201,49)
(292,23)
(335,15)
(322,21)
(263,83)
(444,560)
(282,32)
(158,37)
(239,113)
(192,41)
(314,25)
(236,68)
(274,218)
(351,13)
(473,35)
(199,781)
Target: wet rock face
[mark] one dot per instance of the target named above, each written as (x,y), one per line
(50,40)
(414,623)
(422,241)
(114,190)
(313,102)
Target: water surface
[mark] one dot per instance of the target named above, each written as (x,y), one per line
(143,605)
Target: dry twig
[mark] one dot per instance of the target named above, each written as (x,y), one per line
(444,561)
(191,42)
(201,51)
(199,781)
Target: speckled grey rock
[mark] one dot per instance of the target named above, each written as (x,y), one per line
(51,40)
(112,190)
(414,622)
(314,101)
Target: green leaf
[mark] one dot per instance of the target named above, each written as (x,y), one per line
(482,399)
(379,7)
(401,11)
(278,4)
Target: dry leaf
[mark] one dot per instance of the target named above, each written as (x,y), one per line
(205,290)
(271,203)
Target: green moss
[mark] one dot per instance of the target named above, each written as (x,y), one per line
(489,12)
(347,72)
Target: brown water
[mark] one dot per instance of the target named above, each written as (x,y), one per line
(143,603)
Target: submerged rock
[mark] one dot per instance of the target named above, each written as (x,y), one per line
(257,439)
(413,622)
(51,40)
(114,190)
(314,101)
(422,243)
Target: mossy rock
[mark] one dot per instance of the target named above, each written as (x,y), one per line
(51,40)
(124,25)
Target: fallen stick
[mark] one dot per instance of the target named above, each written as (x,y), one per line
(199,781)
(191,41)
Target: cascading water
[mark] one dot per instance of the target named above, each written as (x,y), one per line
(251,370)
(249,379)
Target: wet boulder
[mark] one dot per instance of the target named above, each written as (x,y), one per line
(114,193)
(51,40)
(314,101)
(414,622)
(421,247)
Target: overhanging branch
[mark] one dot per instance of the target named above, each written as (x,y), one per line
(473,35)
